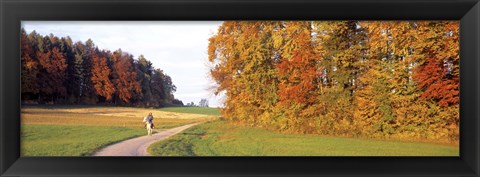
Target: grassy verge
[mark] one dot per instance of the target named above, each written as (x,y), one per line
(222,139)
(64,140)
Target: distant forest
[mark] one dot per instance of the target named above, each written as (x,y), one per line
(381,79)
(57,71)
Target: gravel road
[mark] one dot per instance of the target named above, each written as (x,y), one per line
(138,146)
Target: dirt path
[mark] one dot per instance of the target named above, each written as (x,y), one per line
(138,146)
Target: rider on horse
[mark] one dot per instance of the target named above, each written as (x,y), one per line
(149,119)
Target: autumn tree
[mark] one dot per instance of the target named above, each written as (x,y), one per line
(125,77)
(57,71)
(101,76)
(52,74)
(374,113)
(342,45)
(298,73)
(243,62)
(29,72)
(226,65)
(438,74)
(388,79)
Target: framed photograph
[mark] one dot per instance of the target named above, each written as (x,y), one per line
(239,88)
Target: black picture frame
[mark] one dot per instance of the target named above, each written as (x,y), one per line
(12,12)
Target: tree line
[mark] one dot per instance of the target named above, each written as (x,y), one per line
(55,70)
(380,79)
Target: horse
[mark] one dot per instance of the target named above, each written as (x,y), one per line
(149,126)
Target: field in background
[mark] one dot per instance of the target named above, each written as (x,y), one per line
(219,138)
(193,110)
(81,130)
(105,116)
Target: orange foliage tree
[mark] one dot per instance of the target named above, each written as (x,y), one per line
(100,76)
(386,79)
(124,77)
(57,71)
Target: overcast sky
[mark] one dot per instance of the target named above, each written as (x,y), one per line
(178,48)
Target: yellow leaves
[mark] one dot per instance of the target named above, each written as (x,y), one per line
(332,77)
(277,41)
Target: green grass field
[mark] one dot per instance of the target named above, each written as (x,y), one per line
(82,130)
(62,140)
(193,110)
(218,138)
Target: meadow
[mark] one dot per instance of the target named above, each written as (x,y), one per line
(220,138)
(194,110)
(82,130)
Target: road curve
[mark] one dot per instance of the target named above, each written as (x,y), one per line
(138,146)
